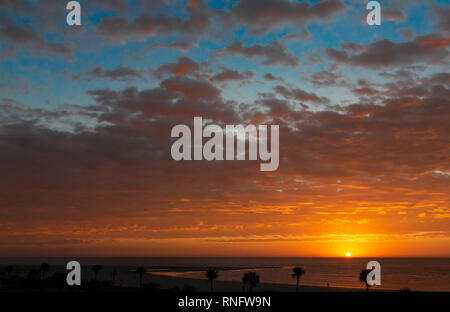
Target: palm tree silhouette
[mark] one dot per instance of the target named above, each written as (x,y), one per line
(211,275)
(97,268)
(114,275)
(9,269)
(140,271)
(44,268)
(297,273)
(363,277)
(244,281)
(252,279)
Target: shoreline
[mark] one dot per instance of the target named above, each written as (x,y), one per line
(174,276)
(202,285)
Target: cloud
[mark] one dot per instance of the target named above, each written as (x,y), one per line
(352,46)
(443,22)
(271,54)
(177,98)
(300,95)
(436,43)
(190,88)
(229,75)
(270,77)
(118,74)
(99,175)
(26,38)
(145,26)
(406,33)
(427,49)
(393,14)
(325,78)
(264,15)
(183,66)
(390,148)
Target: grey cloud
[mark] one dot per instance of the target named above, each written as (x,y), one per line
(393,14)
(300,95)
(263,15)
(118,74)
(429,49)
(271,54)
(230,74)
(25,37)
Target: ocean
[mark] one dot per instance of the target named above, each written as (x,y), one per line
(417,274)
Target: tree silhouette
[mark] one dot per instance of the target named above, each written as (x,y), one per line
(33,277)
(252,279)
(114,275)
(96,268)
(244,280)
(363,277)
(297,273)
(211,275)
(44,268)
(140,271)
(9,269)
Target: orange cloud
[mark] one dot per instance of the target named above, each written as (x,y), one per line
(436,43)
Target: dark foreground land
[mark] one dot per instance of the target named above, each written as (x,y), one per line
(167,293)
(128,291)
(227,301)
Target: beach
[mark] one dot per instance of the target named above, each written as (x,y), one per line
(169,282)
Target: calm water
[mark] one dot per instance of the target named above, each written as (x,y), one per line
(428,274)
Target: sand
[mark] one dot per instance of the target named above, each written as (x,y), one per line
(167,282)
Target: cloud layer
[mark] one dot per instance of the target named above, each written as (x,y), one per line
(86,116)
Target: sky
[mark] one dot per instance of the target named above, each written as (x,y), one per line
(86,114)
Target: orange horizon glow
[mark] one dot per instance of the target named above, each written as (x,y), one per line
(305,229)
(204,248)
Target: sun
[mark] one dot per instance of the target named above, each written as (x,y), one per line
(348,254)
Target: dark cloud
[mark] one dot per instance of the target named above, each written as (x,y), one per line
(440,78)
(178,45)
(183,66)
(365,91)
(230,74)
(271,54)
(118,74)
(443,22)
(46,14)
(190,88)
(177,98)
(428,49)
(26,38)
(146,26)
(400,75)
(325,78)
(264,15)
(352,46)
(300,95)
(123,168)
(271,77)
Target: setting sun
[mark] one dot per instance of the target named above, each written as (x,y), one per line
(348,254)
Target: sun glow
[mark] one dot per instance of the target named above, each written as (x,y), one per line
(348,254)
